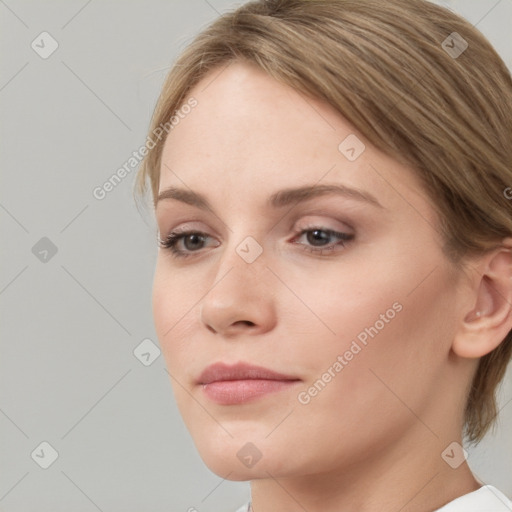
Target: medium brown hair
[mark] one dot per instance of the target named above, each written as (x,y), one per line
(389,68)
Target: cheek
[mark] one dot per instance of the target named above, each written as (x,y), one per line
(171,306)
(387,368)
(384,321)
(171,303)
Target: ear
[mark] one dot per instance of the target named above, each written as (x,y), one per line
(486,324)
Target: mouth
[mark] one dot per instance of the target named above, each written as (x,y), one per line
(236,384)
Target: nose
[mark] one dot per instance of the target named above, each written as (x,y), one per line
(240,299)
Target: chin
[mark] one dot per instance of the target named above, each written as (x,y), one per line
(239,459)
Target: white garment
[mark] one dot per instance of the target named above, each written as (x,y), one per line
(485,499)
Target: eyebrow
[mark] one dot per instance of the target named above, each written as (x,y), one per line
(279,199)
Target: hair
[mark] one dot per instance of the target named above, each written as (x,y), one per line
(386,67)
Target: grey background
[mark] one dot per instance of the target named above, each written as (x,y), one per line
(70,324)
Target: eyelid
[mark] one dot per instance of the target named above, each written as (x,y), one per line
(294,220)
(334,224)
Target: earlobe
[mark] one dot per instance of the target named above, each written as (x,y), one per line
(489,321)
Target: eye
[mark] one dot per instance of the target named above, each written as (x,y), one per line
(189,238)
(317,236)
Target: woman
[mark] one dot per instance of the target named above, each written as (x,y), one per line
(333,292)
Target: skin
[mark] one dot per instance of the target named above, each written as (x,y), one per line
(372,439)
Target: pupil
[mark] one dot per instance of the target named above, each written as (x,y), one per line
(194,238)
(316,236)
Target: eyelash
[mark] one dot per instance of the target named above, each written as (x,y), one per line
(174,237)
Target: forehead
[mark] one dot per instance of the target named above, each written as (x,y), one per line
(251,133)
(243,112)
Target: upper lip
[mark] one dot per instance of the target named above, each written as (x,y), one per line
(239,371)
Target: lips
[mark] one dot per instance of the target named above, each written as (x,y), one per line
(241,383)
(241,371)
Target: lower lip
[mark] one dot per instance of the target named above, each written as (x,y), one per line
(230,392)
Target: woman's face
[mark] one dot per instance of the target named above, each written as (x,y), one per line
(359,323)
